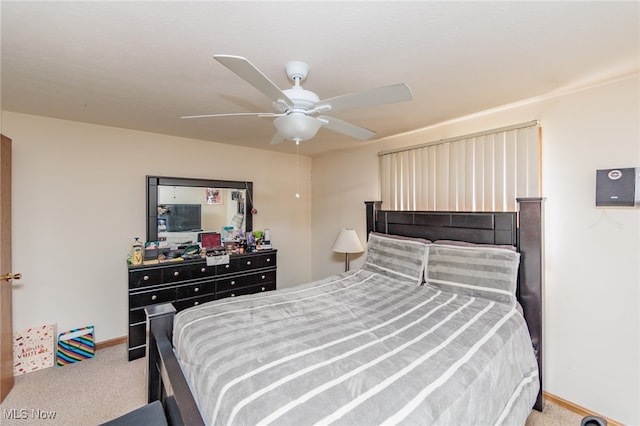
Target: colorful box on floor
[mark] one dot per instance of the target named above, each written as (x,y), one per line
(33,349)
(75,345)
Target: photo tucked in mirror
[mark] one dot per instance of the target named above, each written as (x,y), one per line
(184,212)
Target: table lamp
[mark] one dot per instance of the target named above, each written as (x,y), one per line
(347,242)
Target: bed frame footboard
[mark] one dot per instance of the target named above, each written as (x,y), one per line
(166,382)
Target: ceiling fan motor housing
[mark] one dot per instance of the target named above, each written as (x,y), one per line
(302,98)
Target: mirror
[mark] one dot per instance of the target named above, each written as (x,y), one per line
(178,209)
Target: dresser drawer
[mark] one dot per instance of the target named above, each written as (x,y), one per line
(193,290)
(194,301)
(145,298)
(246,290)
(244,263)
(144,278)
(202,271)
(245,280)
(175,273)
(264,260)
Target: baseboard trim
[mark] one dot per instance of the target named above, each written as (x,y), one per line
(576,408)
(112,342)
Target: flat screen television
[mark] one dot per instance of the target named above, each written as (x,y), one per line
(180,217)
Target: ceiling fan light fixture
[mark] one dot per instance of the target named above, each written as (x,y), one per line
(297,126)
(298,108)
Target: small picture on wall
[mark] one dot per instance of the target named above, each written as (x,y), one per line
(213,196)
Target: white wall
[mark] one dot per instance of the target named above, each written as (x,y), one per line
(79,200)
(592,295)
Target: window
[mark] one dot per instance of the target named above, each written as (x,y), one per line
(483,171)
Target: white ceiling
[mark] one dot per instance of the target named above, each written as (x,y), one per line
(142,65)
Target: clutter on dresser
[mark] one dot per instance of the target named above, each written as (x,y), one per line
(266,240)
(136,252)
(191,252)
(231,247)
(213,246)
(228,233)
(151,250)
(210,240)
(217,258)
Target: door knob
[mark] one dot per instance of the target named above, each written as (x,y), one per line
(9,277)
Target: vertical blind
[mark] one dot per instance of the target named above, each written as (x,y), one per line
(483,171)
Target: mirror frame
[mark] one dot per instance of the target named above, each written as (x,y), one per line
(152,197)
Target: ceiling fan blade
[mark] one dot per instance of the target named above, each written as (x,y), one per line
(346,128)
(252,75)
(234,114)
(382,95)
(276,139)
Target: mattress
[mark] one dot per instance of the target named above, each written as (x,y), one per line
(358,348)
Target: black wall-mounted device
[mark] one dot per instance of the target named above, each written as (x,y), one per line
(618,187)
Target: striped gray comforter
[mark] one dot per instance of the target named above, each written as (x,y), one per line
(358,349)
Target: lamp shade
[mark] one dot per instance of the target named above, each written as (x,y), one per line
(347,242)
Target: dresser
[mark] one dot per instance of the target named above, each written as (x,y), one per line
(190,283)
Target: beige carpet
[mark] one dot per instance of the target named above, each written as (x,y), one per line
(100,389)
(553,415)
(89,392)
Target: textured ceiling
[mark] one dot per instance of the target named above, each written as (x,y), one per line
(142,65)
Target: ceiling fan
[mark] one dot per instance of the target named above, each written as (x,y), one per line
(300,112)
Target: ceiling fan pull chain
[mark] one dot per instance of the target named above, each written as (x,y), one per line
(297,169)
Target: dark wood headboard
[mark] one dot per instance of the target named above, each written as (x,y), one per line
(522,229)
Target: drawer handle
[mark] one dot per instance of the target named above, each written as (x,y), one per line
(268,259)
(233,295)
(263,277)
(233,283)
(226,266)
(203,270)
(263,289)
(195,290)
(196,303)
(176,273)
(145,278)
(154,297)
(248,262)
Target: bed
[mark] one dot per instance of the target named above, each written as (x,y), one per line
(441,325)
